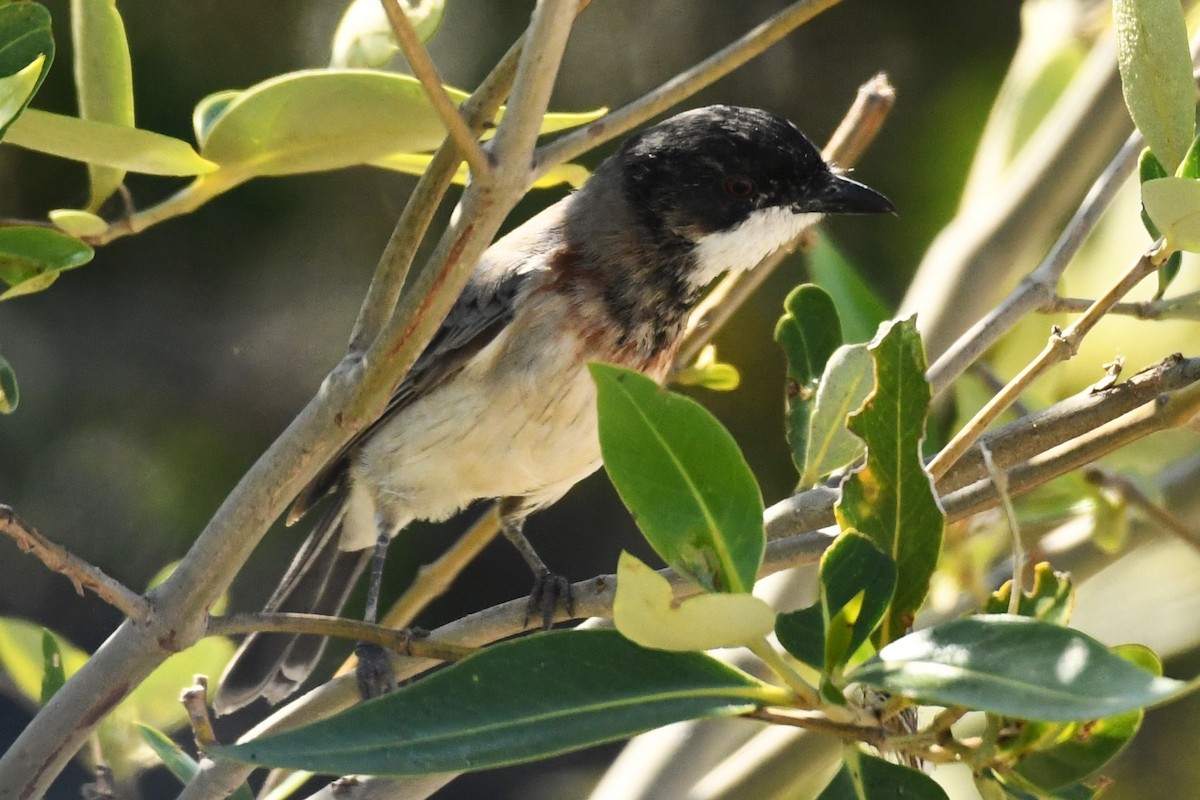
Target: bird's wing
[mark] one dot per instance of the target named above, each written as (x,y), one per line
(485,307)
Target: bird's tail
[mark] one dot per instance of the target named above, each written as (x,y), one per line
(273,665)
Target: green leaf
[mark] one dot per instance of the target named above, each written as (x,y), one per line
(890,499)
(315,120)
(1050,599)
(1017,667)
(646,612)
(131,149)
(513,702)
(860,309)
(1167,273)
(848,380)
(31,257)
(103,80)
(802,633)
(22,658)
(683,477)
(53,672)
(1156,75)
(1188,168)
(78,223)
(1173,205)
(25,39)
(853,571)
(10,394)
(864,777)
(364,36)
(1149,169)
(179,763)
(809,331)
(16,90)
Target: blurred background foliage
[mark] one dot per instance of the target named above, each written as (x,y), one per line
(153,377)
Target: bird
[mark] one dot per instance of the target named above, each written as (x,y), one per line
(500,404)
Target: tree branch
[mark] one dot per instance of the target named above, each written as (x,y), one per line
(80,573)
(680,87)
(425,71)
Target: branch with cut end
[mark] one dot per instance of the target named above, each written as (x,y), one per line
(80,573)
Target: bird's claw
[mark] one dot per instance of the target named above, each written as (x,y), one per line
(374,670)
(549,591)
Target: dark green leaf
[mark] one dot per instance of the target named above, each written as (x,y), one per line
(683,477)
(513,702)
(179,763)
(10,395)
(809,331)
(1050,599)
(865,777)
(853,569)
(802,633)
(31,257)
(25,36)
(53,673)
(890,499)
(1149,169)
(1156,75)
(1017,667)
(859,307)
(103,80)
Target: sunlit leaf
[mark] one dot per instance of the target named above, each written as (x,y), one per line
(848,380)
(103,80)
(92,142)
(1050,599)
(512,702)
(646,612)
(364,36)
(575,175)
(1017,667)
(1173,205)
(22,659)
(809,332)
(1156,75)
(77,223)
(683,477)
(16,90)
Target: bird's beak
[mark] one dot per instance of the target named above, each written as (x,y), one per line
(841,195)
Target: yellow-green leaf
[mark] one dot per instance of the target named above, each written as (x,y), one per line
(10,395)
(364,36)
(646,612)
(77,223)
(93,142)
(16,89)
(103,80)
(416,163)
(1173,205)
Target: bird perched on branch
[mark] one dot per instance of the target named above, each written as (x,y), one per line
(500,404)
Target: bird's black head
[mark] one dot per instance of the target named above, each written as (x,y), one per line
(734,182)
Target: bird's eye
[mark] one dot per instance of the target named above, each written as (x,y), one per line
(739,187)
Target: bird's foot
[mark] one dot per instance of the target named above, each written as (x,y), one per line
(374,670)
(549,591)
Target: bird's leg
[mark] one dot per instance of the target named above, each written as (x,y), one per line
(374,669)
(549,588)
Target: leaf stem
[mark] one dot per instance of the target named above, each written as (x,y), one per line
(806,694)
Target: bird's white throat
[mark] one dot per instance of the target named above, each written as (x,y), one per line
(740,248)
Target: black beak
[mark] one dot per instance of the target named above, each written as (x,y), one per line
(841,195)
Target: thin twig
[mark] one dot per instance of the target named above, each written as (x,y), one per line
(1037,288)
(1139,499)
(854,134)
(1186,307)
(195,702)
(1000,481)
(680,87)
(425,71)
(1062,346)
(398,641)
(80,573)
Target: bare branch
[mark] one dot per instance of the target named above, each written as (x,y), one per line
(1182,307)
(80,573)
(427,74)
(195,702)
